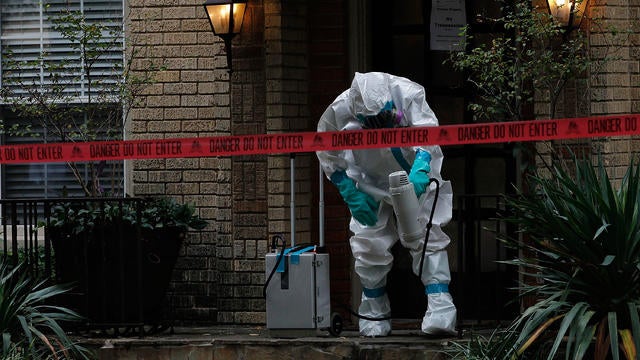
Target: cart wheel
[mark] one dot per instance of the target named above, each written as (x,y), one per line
(336,324)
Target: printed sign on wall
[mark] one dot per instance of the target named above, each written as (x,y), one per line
(447,19)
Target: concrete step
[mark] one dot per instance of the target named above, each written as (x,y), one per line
(235,343)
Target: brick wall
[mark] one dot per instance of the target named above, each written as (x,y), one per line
(612,86)
(247,198)
(190,98)
(287,111)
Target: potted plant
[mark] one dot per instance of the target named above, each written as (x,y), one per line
(120,253)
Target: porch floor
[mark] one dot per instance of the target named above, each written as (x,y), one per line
(256,342)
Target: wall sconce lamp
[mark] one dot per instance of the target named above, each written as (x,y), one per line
(226,18)
(568,13)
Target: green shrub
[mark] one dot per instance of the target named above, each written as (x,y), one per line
(582,248)
(499,344)
(156,213)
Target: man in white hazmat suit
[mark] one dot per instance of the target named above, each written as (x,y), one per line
(379,100)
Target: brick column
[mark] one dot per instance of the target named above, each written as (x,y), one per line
(243,245)
(269,95)
(287,111)
(189,98)
(247,199)
(615,88)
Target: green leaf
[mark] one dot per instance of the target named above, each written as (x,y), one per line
(26,319)
(628,345)
(635,323)
(582,253)
(608,260)
(613,333)
(600,230)
(581,335)
(566,323)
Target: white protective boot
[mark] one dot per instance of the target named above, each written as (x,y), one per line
(371,246)
(440,317)
(375,304)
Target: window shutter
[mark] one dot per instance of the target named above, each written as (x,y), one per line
(21,30)
(27,30)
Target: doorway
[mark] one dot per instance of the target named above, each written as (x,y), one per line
(402,43)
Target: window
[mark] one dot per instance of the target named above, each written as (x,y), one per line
(41,63)
(51,180)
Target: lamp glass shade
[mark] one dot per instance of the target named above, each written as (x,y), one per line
(219,16)
(568,13)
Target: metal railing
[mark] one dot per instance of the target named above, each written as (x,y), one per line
(482,287)
(23,238)
(485,288)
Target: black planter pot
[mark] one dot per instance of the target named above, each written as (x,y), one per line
(121,274)
(160,250)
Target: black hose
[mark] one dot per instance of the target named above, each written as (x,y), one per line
(350,310)
(274,239)
(429,224)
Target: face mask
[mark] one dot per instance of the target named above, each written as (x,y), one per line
(388,117)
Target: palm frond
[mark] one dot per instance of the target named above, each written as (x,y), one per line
(30,326)
(582,250)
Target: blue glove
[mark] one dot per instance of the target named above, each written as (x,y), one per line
(419,174)
(362,206)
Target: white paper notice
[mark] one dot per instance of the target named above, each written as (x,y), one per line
(447,19)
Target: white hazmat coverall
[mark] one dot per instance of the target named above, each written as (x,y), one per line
(365,173)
